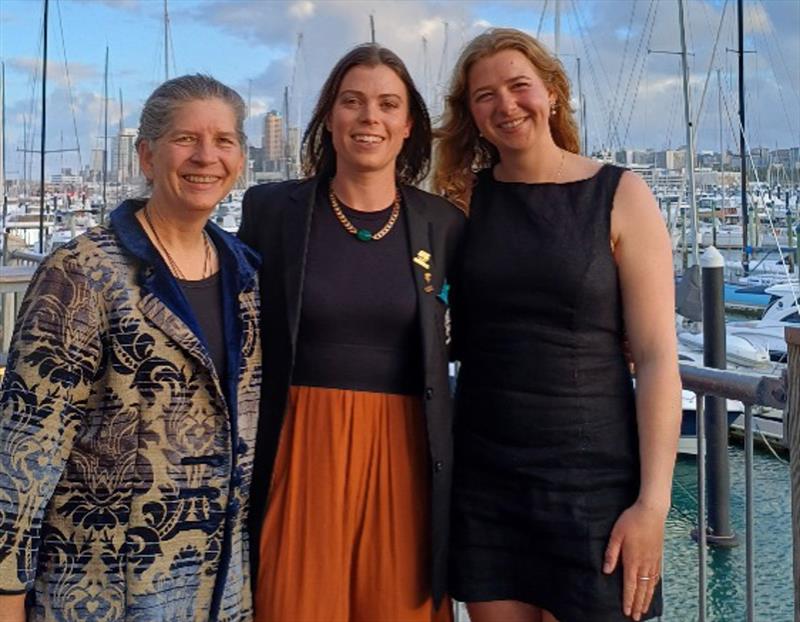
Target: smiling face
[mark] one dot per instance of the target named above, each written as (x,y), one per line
(369,120)
(509,102)
(194,165)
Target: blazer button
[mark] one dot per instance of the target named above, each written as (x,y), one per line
(429,393)
(438,466)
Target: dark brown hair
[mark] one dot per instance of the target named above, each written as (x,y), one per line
(413,161)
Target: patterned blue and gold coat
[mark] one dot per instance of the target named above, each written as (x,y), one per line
(125,462)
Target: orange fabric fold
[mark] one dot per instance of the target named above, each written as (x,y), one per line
(345,537)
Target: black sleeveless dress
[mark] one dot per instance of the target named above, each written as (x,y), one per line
(547,453)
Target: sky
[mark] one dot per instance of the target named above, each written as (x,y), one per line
(630,72)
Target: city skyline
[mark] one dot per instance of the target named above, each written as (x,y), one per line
(254,48)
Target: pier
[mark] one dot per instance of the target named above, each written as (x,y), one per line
(781,392)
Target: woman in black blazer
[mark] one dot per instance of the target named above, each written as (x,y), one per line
(349,508)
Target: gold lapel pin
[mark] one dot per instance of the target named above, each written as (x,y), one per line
(422,259)
(428,289)
(427,276)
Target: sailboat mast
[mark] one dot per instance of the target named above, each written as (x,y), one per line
(3,133)
(689,137)
(166,42)
(721,158)
(105,139)
(121,176)
(558,28)
(3,144)
(742,148)
(44,133)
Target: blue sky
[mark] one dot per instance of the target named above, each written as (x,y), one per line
(251,45)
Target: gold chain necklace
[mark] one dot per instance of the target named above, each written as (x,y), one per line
(364,235)
(560,166)
(173,266)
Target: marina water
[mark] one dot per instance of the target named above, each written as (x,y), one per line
(726,567)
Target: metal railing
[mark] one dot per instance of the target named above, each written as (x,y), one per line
(778,392)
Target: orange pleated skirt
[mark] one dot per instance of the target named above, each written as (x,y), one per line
(346,534)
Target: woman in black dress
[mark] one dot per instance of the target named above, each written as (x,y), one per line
(562,474)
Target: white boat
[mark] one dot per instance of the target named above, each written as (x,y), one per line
(769,331)
(739,350)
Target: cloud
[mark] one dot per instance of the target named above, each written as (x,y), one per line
(302,9)
(56,73)
(756,19)
(125,5)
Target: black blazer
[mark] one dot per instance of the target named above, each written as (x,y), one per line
(276,221)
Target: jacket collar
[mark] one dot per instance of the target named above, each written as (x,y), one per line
(132,237)
(164,302)
(296,232)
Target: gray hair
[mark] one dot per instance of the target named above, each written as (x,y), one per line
(160,107)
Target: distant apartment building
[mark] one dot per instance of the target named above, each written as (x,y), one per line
(670,159)
(97,163)
(124,157)
(273,141)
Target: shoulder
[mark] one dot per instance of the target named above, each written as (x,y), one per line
(267,194)
(635,210)
(98,249)
(434,207)
(632,192)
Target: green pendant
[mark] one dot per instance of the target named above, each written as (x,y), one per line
(363,235)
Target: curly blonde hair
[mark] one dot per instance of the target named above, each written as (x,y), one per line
(460,150)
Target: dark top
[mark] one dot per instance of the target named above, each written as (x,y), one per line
(547,454)
(276,221)
(205,299)
(358,325)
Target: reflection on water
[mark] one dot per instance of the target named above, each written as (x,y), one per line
(726,567)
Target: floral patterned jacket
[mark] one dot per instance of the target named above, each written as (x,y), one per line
(125,461)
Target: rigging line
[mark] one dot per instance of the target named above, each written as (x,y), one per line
(624,57)
(171,47)
(778,84)
(639,55)
(69,86)
(541,20)
(598,92)
(783,60)
(699,110)
(32,116)
(768,212)
(598,56)
(632,107)
(671,118)
(588,42)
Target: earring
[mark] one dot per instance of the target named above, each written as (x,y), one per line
(553,110)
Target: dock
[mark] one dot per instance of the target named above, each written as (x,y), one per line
(14,281)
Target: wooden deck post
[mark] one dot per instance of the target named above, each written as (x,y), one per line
(793,437)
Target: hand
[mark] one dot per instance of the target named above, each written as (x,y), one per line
(638,536)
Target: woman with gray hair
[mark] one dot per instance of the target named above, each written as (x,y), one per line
(129,404)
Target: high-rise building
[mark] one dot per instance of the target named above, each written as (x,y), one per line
(124,160)
(273,141)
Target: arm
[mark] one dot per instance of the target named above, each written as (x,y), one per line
(53,357)
(643,254)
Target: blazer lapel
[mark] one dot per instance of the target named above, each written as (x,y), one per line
(296,229)
(174,327)
(420,239)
